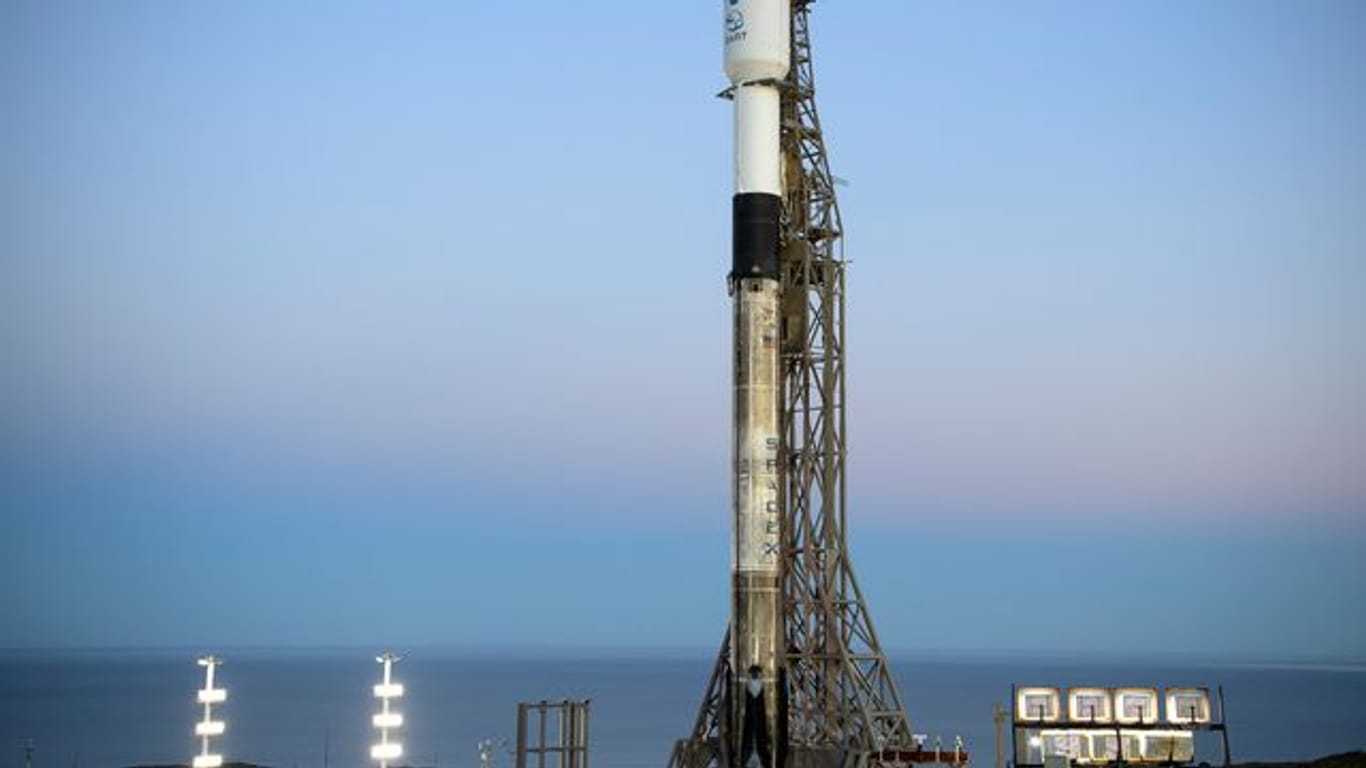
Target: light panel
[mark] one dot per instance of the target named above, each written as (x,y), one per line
(1089,704)
(389,751)
(387,720)
(1136,705)
(389,690)
(208,761)
(1188,705)
(213,695)
(210,728)
(1037,704)
(1167,746)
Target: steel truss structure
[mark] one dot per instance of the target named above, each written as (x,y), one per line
(842,703)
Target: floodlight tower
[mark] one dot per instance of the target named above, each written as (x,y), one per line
(208,727)
(386,719)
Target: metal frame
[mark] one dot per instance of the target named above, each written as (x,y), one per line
(840,690)
(1217,725)
(842,703)
(570,746)
(709,742)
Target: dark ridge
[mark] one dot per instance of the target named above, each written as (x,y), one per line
(1355,759)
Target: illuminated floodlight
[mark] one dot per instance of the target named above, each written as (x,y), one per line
(1081,746)
(1071,744)
(1136,705)
(208,727)
(1100,746)
(1188,706)
(1089,705)
(1104,746)
(213,696)
(1037,705)
(1166,746)
(386,719)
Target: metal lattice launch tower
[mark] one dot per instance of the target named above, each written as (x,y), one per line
(800,679)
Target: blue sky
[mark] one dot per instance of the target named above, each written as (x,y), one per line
(338,323)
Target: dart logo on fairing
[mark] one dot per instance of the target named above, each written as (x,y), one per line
(735,21)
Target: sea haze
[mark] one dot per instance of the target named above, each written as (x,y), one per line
(122,708)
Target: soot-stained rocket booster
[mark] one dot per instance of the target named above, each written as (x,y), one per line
(757,42)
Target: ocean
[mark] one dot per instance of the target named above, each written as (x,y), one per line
(111,709)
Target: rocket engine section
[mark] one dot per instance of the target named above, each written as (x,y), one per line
(757,57)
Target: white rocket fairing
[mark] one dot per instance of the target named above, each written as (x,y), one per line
(757,45)
(758,42)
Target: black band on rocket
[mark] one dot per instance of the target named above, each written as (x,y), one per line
(754,235)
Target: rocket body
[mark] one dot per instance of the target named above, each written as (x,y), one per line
(757,43)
